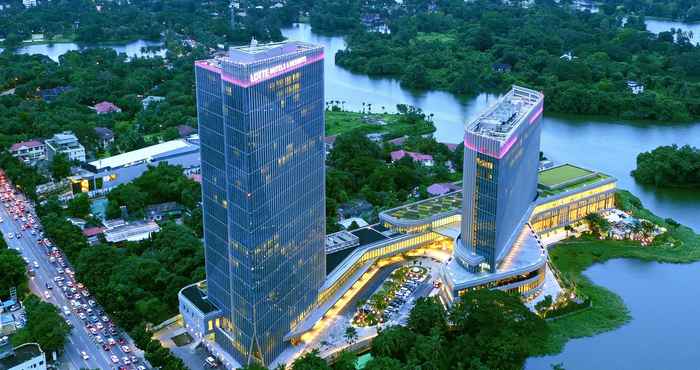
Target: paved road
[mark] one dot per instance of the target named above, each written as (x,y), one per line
(80,338)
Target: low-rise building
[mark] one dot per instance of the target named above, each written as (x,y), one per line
(102,175)
(116,231)
(106,107)
(67,143)
(93,234)
(329,143)
(442,188)
(347,223)
(399,141)
(49,95)
(28,356)
(105,137)
(635,87)
(29,152)
(423,159)
(147,101)
(185,131)
(160,211)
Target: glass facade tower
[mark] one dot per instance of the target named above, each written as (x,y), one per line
(501,157)
(260,110)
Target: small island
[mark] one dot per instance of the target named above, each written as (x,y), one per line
(669,166)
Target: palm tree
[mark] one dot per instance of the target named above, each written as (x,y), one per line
(350,334)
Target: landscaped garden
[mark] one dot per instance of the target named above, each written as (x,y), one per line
(390,296)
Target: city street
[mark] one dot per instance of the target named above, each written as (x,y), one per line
(80,338)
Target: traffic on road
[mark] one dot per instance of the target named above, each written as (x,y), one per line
(95,341)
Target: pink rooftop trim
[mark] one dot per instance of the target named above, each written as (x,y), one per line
(228,78)
(483,150)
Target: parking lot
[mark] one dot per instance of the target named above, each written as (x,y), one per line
(94,341)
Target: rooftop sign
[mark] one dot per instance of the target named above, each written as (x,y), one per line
(266,73)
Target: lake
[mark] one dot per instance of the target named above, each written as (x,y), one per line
(663,333)
(656,25)
(55,50)
(603,144)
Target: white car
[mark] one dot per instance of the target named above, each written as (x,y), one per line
(47,295)
(36,264)
(114,359)
(126,349)
(10,235)
(84,355)
(66,310)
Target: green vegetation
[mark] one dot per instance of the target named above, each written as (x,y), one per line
(164,183)
(488,329)
(392,125)
(560,174)
(467,40)
(14,272)
(684,10)
(82,21)
(607,311)
(44,326)
(137,283)
(433,206)
(360,169)
(25,177)
(669,166)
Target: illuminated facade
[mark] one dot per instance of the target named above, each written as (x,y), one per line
(501,156)
(260,112)
(570,198)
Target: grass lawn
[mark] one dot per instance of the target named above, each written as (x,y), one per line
(557,175)
(342,122)
(608,312)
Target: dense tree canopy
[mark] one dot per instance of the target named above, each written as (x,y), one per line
(14,272)
(81,20)
(669,166)
(485,46)
(44,326)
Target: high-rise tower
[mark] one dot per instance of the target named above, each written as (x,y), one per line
(501,157)
(260,112)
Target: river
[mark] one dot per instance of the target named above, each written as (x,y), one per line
(55,50)
(663,333)
(606,145)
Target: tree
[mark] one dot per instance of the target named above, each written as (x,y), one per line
(544,303)
(60,166)
(44,326)
(395,342)
(350,334)
(345,361)
(310,361)
(426,316)
(498,320)
(14,272)
(384,363)
(79,206)
(597,224)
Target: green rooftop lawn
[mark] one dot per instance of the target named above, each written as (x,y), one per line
(425,209)
(574,185)
(557,175)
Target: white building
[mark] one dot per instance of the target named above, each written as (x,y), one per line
(119,230)
(635,87)
(65,142)
(28,356)
(29,152)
